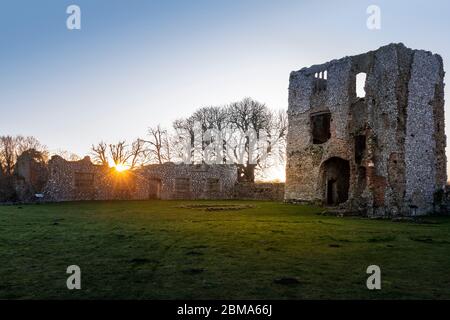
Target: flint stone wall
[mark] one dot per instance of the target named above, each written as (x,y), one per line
(201,181)
(82,180)
(401,119)
(259,191)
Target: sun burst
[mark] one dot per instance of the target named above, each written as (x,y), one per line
(120,167)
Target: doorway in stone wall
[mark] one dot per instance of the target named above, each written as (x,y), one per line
(335,180)
(154,191)
(332,193)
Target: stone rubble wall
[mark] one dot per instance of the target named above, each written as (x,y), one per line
(102,183)
(106,183)
(259,191)
(198,176)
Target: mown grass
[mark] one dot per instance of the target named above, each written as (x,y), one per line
(182,250)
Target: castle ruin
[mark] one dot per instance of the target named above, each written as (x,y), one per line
(380,152)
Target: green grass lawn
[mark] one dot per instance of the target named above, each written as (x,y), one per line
(178,250)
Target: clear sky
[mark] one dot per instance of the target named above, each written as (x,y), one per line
(137,63)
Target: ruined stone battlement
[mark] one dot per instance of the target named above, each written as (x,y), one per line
(382,151)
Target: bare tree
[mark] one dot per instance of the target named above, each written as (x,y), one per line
(119,152)
(138,154)
(67,155)
(185,138)
(100,153)
(12,147)
(249,116)
(29,143)
(8,147)
(160,146)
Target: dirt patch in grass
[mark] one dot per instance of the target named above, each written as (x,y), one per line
(193,271)
(194,253)
(428,239)
(217,207)
(415,220)
(287,281)
(139,261)
(382,239)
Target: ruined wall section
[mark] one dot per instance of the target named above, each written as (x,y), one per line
(423,156)
(82,180)
(299,158)
(259,191)
(305,158)
(383,121)
(200,181)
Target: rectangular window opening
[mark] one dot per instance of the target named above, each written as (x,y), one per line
(320,127)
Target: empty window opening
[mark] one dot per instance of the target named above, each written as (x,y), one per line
(84,181)
(360,148)
(182,187)
(360,84)
(320,81)
(213,185)
(320,127)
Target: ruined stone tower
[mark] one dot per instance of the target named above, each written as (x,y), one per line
(381,152)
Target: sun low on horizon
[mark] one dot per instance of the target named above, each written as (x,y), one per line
(120,167)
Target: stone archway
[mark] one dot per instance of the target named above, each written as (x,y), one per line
(335,181)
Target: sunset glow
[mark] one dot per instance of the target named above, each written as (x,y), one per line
(120,167)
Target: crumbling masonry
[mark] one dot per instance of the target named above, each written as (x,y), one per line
(382,154)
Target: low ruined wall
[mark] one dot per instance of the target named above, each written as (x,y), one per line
(82,180)
(259,191)
(187,181)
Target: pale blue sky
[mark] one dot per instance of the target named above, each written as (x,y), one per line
(138,63)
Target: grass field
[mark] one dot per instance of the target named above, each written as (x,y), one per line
(193,250)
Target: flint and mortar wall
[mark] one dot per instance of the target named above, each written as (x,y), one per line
(259,191)
(200,181)
(401,118)
(82,180)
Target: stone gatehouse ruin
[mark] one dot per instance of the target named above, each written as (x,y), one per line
(376,148)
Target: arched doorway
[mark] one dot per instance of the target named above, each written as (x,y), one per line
(154,191)
(335,181)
